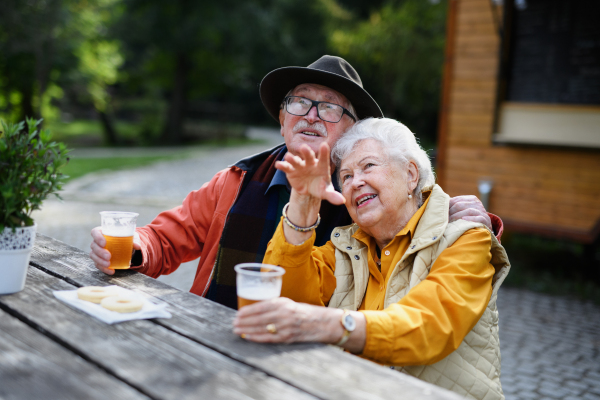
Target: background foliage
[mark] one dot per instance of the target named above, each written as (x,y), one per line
(30,163)
(163,65)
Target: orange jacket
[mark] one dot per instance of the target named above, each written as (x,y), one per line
(191,230)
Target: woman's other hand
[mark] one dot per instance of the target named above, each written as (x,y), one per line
(296,322)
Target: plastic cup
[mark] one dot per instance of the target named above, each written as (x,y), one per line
(118,228)
(257,282)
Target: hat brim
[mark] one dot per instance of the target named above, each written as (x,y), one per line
(277,83)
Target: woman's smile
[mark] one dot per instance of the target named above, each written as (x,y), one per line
(364,199)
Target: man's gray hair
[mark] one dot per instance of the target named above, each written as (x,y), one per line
(398,142)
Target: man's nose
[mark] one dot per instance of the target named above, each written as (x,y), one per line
(313,115)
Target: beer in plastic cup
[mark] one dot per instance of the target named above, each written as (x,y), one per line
(256,282)
(118,228)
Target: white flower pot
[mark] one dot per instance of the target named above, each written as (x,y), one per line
(15,250)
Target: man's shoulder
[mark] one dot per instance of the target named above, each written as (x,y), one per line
(256,160)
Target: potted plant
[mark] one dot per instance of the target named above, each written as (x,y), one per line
(29,165)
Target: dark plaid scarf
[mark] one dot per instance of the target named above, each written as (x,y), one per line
(252,221)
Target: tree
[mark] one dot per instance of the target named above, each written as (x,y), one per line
(99,56)
(398,51)
(55,44)
(28,43)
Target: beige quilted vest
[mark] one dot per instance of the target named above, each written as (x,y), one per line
(472,370)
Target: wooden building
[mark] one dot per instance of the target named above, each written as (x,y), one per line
(521,109)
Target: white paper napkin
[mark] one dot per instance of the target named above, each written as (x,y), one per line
(149,309)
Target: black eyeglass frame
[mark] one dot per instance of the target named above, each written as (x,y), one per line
(316,104)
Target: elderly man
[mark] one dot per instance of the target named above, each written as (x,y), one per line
(231,219)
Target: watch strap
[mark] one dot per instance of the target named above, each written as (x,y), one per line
(347,333)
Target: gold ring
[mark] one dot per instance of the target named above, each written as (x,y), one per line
(271,328)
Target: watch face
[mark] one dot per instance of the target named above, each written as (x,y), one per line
(349,323)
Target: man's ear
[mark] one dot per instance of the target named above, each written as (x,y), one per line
(281,119)
(412,175)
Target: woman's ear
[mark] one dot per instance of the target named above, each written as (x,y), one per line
(412,176)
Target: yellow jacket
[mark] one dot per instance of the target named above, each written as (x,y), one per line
(439,296)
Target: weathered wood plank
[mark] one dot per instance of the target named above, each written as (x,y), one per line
(152,359)
(34,367)
(544,169)
(475,68)
(323,371)
(474,16)
(475,85)
(508,203)
(572,158)
(529,185)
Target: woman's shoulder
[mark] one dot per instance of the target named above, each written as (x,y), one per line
(458,228)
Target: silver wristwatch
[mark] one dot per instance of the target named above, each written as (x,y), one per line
(349,324)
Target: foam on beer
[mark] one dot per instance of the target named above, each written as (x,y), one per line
(118,231)
(259,293)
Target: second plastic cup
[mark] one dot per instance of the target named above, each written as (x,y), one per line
(257,282)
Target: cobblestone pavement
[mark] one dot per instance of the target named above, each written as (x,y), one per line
(550,345)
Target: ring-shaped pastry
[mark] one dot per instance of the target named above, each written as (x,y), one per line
(122,304)
(94,294)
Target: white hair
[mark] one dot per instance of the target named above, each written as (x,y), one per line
(397,141)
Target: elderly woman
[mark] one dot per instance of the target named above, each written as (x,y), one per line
(403,286)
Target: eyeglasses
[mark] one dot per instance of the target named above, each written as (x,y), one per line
(328,112)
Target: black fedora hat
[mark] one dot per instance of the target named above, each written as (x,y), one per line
(333,72)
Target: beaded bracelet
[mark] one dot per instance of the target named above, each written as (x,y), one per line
(296,227)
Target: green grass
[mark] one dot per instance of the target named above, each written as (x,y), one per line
(77,131)
(78,167)
(89,133)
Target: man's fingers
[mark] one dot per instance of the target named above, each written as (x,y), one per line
(465,198)
(464,213)
(98,237)
(101,264)
(460,203)
(480,219)
(101,252)
(471,214)
(100,261)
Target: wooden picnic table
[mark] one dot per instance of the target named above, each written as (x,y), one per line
(53,351)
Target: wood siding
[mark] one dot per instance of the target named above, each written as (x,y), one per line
(553,191)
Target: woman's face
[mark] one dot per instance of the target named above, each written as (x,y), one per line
(376,188)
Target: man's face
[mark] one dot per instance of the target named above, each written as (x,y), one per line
(310,129)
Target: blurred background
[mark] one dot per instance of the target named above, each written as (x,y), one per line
(155,96)
(129,72)
(170,78)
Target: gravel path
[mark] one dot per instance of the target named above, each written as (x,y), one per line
(550,345)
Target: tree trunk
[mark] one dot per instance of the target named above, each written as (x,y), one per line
(173,131)
(27,102)
(108,128)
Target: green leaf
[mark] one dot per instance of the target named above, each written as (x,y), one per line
(30,165)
